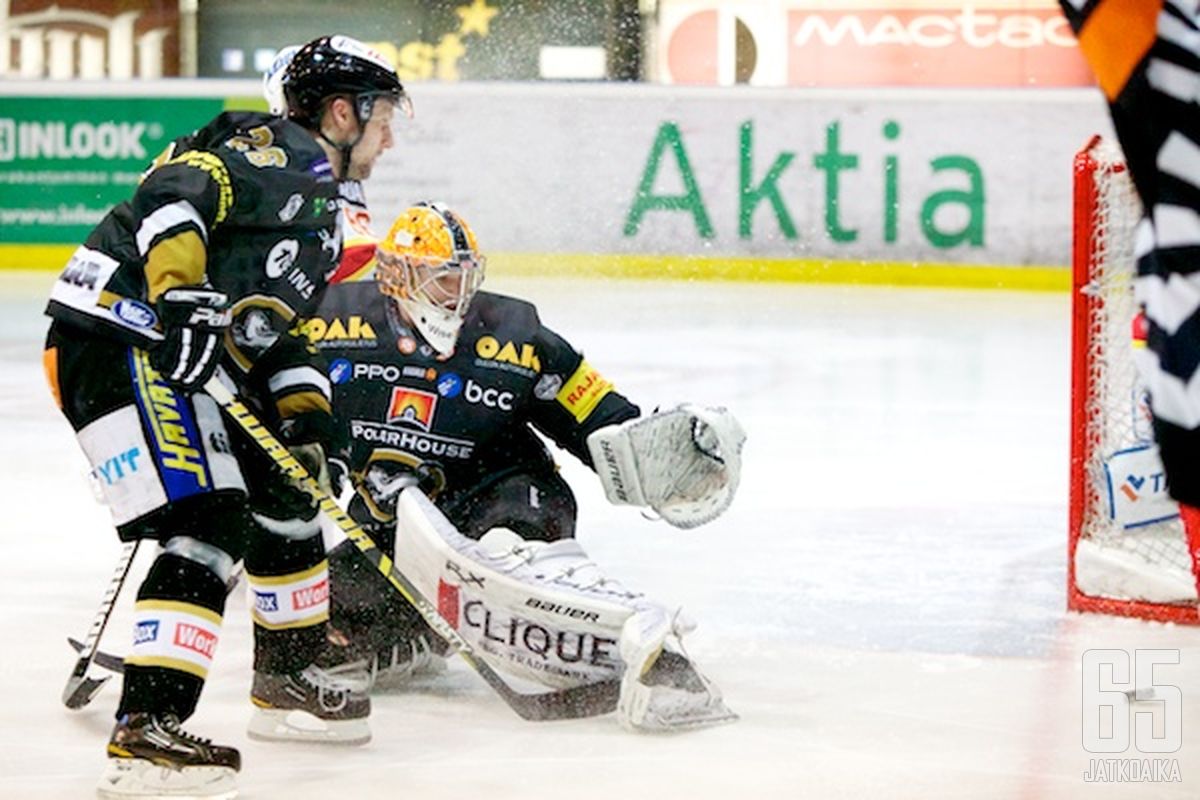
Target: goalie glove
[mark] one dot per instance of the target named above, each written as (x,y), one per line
(684,463)
(194,320)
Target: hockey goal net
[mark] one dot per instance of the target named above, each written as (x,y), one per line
(1128,554)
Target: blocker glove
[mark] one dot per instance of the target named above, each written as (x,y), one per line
(194,319)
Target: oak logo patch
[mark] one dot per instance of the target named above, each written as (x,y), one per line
(522,357)
(583,391)
(412,406)
(353,331)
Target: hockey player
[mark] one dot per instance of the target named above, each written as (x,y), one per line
(439,383)
(1147,60)
(358,240)
(230,238)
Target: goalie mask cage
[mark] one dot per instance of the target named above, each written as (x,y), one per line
(1127,553)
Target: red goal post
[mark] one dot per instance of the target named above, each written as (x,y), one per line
(1127,551)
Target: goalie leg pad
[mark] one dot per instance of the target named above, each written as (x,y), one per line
(661,690)
(545,613)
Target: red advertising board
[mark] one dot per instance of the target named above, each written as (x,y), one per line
(908,43)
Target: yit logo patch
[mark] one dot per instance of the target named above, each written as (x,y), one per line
(340,371)
(412,406)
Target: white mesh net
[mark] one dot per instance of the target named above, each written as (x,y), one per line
(1130,541)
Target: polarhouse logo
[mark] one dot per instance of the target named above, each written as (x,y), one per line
(61,140)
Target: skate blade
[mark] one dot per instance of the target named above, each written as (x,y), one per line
(126,778)
(293,725)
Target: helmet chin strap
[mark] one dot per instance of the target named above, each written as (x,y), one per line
(343,151)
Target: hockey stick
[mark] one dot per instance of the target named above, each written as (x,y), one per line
(80,689)
(101,658)
(581,701)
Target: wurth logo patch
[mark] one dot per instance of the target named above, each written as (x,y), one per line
(196,639)
(311,596)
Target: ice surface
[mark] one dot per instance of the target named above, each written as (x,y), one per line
(883,605)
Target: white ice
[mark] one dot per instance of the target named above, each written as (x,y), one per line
(883,604)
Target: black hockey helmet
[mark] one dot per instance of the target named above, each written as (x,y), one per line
(334,66)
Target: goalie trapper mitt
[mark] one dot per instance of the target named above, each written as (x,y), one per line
(684,463)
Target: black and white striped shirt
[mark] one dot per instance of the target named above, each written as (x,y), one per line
(1146,56)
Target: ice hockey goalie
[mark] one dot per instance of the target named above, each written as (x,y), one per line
(545,614)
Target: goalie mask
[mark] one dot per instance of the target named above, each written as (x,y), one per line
(430,264)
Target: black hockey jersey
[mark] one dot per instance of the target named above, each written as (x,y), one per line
(454,420)
(247,205)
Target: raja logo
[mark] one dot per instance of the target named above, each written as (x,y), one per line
(412,406)
(196,639)
(309,596)
(146,631)
(266,601)
(584,391)
(489,348)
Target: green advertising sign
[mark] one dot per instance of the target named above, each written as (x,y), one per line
(65,161)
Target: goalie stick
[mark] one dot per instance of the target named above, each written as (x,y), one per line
(581,701)
(80,689)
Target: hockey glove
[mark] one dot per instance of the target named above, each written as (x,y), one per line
(194,319)
(283,505)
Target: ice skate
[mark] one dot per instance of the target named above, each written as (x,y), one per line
(312,705)
(150,757)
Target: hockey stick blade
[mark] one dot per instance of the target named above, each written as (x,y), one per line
(581,701)
(80,689)
(108,661)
